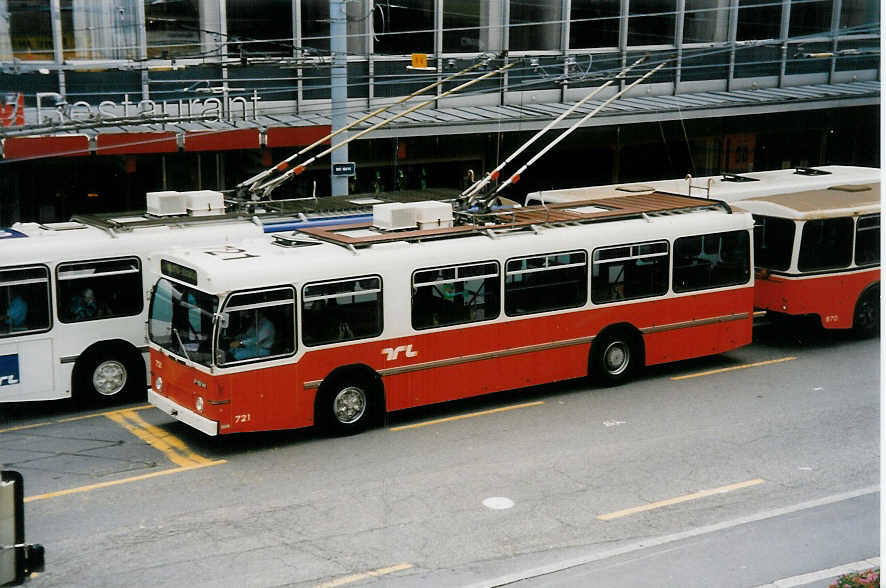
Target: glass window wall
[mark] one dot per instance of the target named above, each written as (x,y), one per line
(758,19)
(403,27)
(173,29)
(259,28)
(651,22)
(535,25)
(595,23)
(706,21)
(810,18)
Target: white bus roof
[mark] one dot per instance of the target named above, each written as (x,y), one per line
(27,243)
(850,200)
(725,187)
(312,255)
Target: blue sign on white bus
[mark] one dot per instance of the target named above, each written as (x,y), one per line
(9,374)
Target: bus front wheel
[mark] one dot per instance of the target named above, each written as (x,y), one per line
(345,405)
(106,376)
(866,320)
(615,356)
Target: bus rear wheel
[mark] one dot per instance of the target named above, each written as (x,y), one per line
(105,376)
(866,320)
(346,405)
(615,356)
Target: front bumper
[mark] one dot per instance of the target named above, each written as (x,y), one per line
(187,416)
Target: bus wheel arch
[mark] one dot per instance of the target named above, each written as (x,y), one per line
(108,371)
(616,354)
(349,399)
(866,316)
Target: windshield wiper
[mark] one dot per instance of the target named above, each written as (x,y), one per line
(180,344)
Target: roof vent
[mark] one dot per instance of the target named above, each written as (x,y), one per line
(635,188)
(851,188)
(738,178)
(811,171)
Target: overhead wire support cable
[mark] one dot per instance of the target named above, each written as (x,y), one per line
(284,165)
(516,176)
(471,191)
(266,188)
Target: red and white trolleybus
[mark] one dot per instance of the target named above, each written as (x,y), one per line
(818,253)
(333,325)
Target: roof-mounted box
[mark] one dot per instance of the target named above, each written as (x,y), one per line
(168,203)
(395,216)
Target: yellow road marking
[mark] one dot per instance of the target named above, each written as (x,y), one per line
(679,499)
(466,416)
(733,368)
(123,481)
(177,452)
(76,418)
(370,574)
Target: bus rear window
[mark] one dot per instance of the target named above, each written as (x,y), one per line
(546,282)
(711,261)
(455,295)
(826,244)
(867,240)
(343,310)
(773,242)
(99,289)
(24,301)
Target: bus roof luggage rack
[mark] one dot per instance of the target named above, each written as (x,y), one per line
(354,236)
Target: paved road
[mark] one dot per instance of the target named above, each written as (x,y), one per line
(572,470)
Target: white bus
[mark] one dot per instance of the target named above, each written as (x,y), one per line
(726,187)
(336,325)
(73,294)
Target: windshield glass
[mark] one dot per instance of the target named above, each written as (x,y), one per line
(181,320)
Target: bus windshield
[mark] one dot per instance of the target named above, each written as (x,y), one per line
(181,321)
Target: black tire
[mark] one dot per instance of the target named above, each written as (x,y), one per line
(346,404)
(615,357)
(866,319)
(106,376)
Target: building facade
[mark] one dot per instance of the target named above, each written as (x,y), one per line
(108,99)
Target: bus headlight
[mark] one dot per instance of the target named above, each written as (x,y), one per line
(158,384)
(199,404)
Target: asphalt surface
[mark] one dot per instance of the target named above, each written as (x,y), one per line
(734,470)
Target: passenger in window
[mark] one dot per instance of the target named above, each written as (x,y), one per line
(255,341)
(83,306)
(16,314)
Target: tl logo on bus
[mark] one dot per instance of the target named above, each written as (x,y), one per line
(392,353)
(9,372)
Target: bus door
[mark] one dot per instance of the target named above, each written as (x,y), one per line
(25,354)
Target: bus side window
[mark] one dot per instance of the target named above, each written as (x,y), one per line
(825,244)
(24,301)
(260,325)
(99,289)
(629,271)
(711,261)
(867,240)
(545,283)
(455,295)
(342,310)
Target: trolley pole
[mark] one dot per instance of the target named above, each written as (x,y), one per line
(338,43)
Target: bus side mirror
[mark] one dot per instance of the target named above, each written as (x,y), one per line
(17,559)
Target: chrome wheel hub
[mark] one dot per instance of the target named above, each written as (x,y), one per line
(617,357)
(109,377)
(349,405)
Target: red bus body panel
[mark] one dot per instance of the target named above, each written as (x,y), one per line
(831,296)
(478,359)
